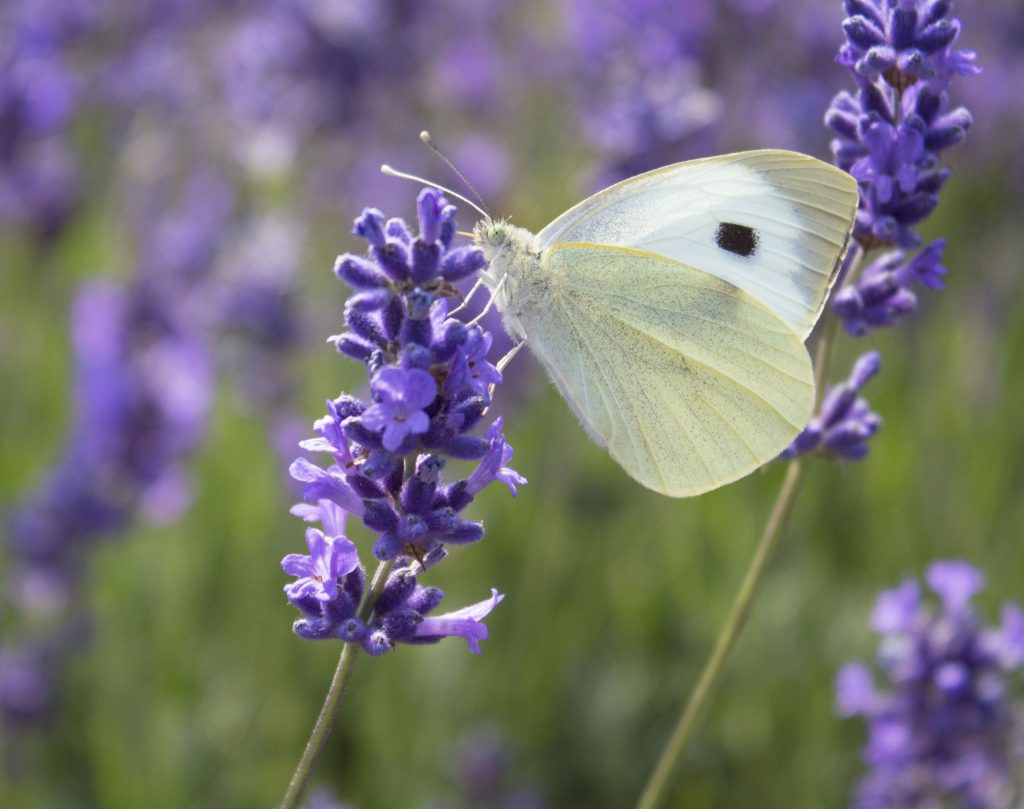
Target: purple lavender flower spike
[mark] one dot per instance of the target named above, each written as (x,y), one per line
(941,729)
(845,422)
(431,382)
(902,41)
(890,136)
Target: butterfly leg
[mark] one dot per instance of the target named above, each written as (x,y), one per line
(468,297)
(504,361)
(490,302)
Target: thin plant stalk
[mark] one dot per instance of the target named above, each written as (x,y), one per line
(332,702)
(656,789)
(657,786)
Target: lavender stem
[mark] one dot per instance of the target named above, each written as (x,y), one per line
(332,702)
(656,789)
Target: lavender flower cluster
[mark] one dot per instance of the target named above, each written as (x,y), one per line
(143,388)
(890,135)
(640,107)
(430,385)
(845,421)
(40,91)
(942,729)
(283,75)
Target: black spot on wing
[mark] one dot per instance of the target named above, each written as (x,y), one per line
(738,239)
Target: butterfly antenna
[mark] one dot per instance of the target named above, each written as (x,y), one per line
(401,175)
(425,137)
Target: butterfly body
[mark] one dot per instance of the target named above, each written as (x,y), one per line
(670,310)
(514,261)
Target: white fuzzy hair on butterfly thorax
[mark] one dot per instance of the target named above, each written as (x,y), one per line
(512,273)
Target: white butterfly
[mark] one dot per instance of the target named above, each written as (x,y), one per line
(671,309)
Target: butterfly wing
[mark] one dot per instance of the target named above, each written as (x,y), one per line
(689,381)
(773,223)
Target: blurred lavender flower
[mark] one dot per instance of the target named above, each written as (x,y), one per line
(890,136)
(143,388)
(300,81)
(845,422)
(639,106)
(484,773)
(943,730)
(323,797)
(26,684)
(430,386)
(40,91)
(259,323)
(997,29)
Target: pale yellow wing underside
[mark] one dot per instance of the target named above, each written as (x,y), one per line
(689,381)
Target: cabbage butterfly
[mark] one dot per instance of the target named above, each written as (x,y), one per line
(671,309)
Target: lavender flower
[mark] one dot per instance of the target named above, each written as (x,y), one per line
(902,41)
(143,389)
(845,422)
(942,730)
(256,311)
(883,292)
(400,397)
(329,559)
(26,683)
(40,92)
(464,623)
(323,797)
(484,771)
(641,107)
(890,135)
(430,386)
(889,138)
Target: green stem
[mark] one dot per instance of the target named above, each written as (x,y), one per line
(658,784)
(656,790)
(332,702)
(823,352)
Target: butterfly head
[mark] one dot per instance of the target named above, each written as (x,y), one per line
(499,236)
(491,234)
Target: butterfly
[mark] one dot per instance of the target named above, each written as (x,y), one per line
(670,310)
